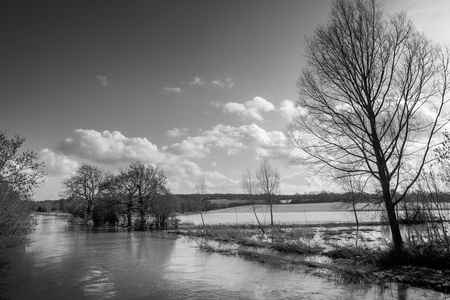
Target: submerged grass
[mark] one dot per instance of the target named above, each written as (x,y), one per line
(424,265)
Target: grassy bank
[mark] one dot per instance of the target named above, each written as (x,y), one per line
(338,251)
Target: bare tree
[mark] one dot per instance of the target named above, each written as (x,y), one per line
(150,182)
(139,188)
(249,187)
(268,180)
(354,189)
(124,188)
(162,208)
(200,189)
(371,99)
(88,183)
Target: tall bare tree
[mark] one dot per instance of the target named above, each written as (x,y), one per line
(371,99)
(268,181)
(200,188)
(87,183)
(249,187)
(150,182)
(123,187)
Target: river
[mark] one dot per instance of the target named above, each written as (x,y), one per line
(64,261)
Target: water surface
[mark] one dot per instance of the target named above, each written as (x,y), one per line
(64,261)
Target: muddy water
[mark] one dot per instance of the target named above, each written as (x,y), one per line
(64,261)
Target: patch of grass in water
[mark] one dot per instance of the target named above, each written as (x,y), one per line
(296,248)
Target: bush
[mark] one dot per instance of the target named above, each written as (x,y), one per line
(15,217)
(104,213)
(428,255)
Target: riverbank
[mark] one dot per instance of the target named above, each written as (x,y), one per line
(341,252)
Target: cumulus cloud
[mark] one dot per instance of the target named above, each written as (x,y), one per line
(109,147)
(220,136)
(175,90)
(103,81)
(251,109)
(177,132)
(57,163)
(288,109)
(232,140)
(197,81)
(182,161)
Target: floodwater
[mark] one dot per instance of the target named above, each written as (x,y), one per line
(240,216)
(214,218)
(63,261)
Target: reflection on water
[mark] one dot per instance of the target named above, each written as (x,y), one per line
(65,261)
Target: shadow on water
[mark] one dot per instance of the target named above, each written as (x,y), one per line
(63,261)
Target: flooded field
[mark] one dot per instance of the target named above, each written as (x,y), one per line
(63,261)
(314,213)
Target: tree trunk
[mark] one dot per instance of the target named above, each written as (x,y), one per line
(385,185)
(89,211)
(203,221)
(142,225)
(271,213)
(256,216)
(129,218)
(141,212)
(393,223)
(354,212)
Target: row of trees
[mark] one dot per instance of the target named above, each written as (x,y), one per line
(142,189)
(138,189)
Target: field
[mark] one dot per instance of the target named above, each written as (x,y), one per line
(293,208)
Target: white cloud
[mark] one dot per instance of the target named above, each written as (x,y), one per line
(224,83)
(217,104)
(109,147)
(251,109)
(191,147)
(57,163)
(175,90)
(177,132)
(103,81)
(114,150)
(197,81)
(232,140)
(57,166)
(289,109)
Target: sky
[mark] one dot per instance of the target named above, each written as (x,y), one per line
(202,89)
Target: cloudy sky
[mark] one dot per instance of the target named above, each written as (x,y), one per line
(201,89)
